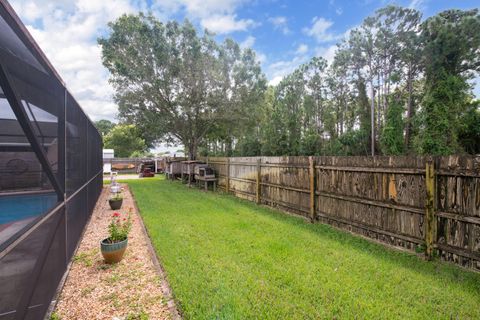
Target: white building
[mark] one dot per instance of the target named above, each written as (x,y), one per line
(107,165)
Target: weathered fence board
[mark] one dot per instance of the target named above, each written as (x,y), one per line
(383,198)
(458,205)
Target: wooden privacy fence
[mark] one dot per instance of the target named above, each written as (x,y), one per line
(416,203)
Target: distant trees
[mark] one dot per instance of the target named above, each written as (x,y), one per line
(175,84)
(451,42)
(104,126)
(391,139)
(397,85)
(469,133)
(125,140)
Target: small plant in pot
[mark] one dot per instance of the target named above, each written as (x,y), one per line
(116,201)
(115,245)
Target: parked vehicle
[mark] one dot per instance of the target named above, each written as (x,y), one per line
(147,173)
(146,169)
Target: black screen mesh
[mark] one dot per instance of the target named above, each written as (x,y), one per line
(76,146)
(48,148)
(77,215)
(21,264)
(43,102)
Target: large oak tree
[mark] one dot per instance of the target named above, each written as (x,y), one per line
(175,84)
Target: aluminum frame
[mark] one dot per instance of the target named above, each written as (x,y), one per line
(33,261)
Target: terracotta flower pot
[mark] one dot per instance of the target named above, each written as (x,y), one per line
(115,204)
(113,252)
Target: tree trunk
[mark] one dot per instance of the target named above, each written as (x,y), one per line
(342,115)
(372,120)
(191,155)
(192,150)
(365,113)
(228,147)
(408,127)
(379,104)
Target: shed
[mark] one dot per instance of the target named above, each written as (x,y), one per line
(188,169)
(173,167)
(108,154)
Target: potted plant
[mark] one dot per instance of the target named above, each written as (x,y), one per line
(115,245)
(116,201)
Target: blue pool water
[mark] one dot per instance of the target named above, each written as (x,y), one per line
(18,207)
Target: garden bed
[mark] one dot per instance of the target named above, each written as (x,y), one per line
(131,289)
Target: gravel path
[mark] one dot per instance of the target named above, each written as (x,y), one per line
(132,289)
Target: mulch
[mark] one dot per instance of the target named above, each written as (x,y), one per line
(134,288)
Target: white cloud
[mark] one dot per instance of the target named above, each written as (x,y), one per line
(338,9)
(328,52)
(216,15)
(276,80)
(417,4)
(302,48)
(205,8)
(277,70)
(248,42)
(476,86)
(261,57)
(319,30)
(223,24)
(67,31)
(280,23)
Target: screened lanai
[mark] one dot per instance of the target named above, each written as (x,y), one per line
(50,173)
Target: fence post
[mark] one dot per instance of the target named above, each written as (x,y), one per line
(259,179)
(312,175)
(429,208)
(227,182)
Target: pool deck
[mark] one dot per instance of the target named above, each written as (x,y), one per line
(8,230)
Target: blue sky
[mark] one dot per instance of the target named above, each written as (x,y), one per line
(284,33)
(281,42)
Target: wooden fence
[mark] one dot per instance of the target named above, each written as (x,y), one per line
(431,204)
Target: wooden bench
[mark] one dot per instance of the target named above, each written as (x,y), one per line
(206,181)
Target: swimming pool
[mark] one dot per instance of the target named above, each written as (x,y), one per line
(19,207)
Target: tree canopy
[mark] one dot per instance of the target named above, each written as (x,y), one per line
(175,84)
(451,54)
(396,85)
(125,140)
(104,126)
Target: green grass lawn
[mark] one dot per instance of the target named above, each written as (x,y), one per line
(226,258)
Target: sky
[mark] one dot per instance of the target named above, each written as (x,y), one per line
(283,33)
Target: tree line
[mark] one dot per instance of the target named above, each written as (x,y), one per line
(397,85)
(125,139)
(128,141)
